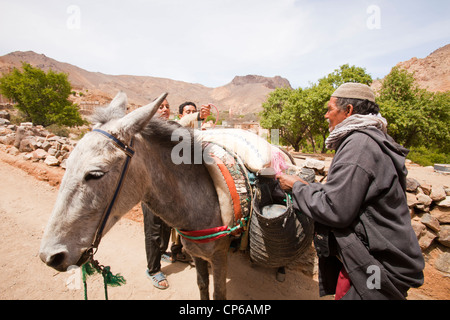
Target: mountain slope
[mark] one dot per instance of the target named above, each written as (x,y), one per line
(243,95)
(431,73)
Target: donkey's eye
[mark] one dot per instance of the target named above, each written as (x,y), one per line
(94,175)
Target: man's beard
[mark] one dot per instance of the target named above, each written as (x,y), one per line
(330,129)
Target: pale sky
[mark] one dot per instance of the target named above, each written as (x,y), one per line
(211,41)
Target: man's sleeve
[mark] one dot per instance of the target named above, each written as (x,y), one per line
(190,120)
(336,203)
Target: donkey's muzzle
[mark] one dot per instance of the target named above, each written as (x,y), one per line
(57,260)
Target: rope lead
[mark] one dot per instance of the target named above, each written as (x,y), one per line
(109,279)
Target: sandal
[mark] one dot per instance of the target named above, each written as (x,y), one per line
(157,278)
(281,274)
(166,257)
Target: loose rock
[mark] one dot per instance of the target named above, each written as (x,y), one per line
(444,235)
(442,262)
(441,214)
(51,161)
(444,203)
(431,222)
(438,194)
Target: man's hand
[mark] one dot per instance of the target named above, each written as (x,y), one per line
(287,181)
(205,111)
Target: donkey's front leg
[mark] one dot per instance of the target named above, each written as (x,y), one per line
(219,269)
(201,267)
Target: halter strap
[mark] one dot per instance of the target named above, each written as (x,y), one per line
(129,153)
(125,148)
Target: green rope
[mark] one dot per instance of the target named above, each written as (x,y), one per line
(109,279)
(207,236)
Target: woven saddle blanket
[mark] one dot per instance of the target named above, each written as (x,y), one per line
(237,154)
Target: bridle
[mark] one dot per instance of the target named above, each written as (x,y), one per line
(129,152)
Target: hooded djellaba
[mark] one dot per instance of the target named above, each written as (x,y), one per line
(366,246)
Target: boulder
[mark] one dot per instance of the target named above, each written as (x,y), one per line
(418,227)
(13,150)
(28,156)
(426,188)
(5,115)
(9,139)
(430,221)
(438,194)
(63,164)
(411,200)
(442,262)
(317,165)
(27,144)
(444,203)
(426,239)
(20,134)
(444,235)
(442,214)
(423,199)
(412,184)
(39,154)
(51,161)
(46,145)
(52,151)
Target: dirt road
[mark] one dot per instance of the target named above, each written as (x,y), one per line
(25,206)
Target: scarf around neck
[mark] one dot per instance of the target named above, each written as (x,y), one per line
(352,123)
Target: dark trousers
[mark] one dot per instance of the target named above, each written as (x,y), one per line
(157,234)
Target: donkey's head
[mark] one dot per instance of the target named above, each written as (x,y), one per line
(93,171)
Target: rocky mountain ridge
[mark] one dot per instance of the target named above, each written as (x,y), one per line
(244,94)
(431,73)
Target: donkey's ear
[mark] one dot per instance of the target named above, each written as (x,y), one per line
(119,103)
(136,120)
(116,109)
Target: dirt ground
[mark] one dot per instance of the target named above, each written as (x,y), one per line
(27,194)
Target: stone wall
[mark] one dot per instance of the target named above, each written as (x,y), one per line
(35,143)
(430,212)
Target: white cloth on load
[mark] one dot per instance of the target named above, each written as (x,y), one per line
(255,152)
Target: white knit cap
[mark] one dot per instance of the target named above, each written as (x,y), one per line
(354,91)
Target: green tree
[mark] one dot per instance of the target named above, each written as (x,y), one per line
(279,112)
(346,73)
(314,107)
(41,97)
(299,114)
(416,117)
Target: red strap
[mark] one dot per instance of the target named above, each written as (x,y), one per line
(205,232)
(231,186)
